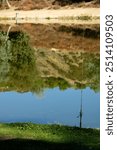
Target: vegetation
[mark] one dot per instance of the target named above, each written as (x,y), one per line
(68,2)
(57,82)
(30,136)
(83,32)
(17,61)
(36,4)
(82,18)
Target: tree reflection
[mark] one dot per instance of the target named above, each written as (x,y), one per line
(24,68)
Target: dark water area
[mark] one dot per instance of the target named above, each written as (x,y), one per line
(50,74)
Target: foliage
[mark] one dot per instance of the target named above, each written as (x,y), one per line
(18,56)
(53,82)
(5,55)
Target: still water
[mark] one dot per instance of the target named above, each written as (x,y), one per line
(50,75)
(55,106)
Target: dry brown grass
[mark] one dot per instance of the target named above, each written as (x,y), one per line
(48,4)
(53,36)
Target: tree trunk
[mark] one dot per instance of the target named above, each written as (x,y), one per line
(8,4)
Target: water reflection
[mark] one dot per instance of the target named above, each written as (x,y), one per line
(55,106)
(33,66)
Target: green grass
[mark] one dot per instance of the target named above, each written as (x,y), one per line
(35,136)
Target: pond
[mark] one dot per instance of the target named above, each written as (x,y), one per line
(49,74)
(55,106)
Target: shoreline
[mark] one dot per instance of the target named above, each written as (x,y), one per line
(51,21)
(65,16)
(53,136)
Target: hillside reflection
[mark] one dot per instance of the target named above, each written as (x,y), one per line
(26,66)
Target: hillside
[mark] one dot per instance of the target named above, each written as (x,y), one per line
(63,37)
(50,63)
(49,4)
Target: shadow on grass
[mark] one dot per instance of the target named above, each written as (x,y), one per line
(24,144)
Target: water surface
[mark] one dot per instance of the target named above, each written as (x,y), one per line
(54,106)
(50,74)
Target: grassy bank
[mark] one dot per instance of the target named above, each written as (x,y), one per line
(28,136)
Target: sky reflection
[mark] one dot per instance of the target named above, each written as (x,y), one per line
(54,106)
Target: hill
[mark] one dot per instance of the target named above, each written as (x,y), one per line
(48,4)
